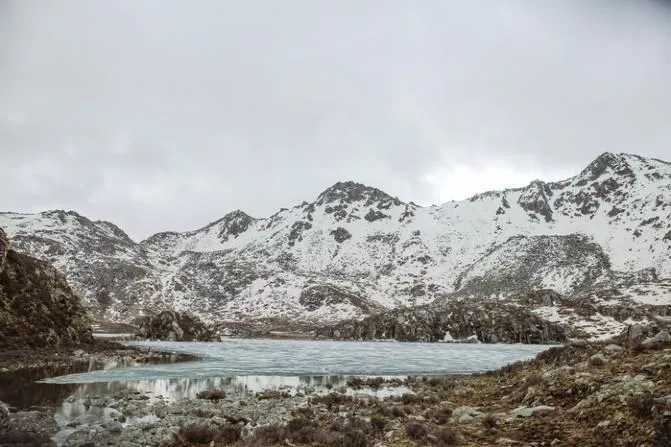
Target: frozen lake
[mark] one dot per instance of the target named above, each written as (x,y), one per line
(293,358)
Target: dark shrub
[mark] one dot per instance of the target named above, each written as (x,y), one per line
(409,399)
(641,405)
(551,355)
(228,433)
(489,421)
(444,437)
(398,412)
(415,430)
(596,361)
(213,395)
(442,415)
(354,438)
(196,433)
(377,424)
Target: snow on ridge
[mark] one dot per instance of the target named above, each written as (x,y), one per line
(372,244)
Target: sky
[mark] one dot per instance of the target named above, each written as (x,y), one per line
(166,115)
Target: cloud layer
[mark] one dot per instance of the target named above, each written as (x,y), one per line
(167,114)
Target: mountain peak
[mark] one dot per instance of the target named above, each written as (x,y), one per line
(604,162)
(350,192)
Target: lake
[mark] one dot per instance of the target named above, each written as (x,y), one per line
(237,358)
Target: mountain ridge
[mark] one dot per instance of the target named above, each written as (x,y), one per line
(355,249)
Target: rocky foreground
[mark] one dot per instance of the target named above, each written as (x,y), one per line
(615,393)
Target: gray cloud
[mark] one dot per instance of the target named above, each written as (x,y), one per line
(167,114)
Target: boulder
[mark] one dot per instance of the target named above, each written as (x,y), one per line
(660,339)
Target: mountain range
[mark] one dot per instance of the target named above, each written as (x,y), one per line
(356,251)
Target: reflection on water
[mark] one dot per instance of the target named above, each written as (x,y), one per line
(88,403)
(19,388)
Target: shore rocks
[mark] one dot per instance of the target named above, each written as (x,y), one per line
(173,326)
(37,306)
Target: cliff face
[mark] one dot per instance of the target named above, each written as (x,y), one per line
(37,307)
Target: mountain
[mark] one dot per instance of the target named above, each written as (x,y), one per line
(356,251)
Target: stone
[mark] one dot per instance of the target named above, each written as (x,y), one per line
(4,410)
(636,333)
(662,338)
(613,348)
(466,413)
(526,412)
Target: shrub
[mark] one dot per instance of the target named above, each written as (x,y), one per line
(641,405)
(228,433)
(551,355)
(377,424)
(410,398)
(213,395)
(444,437)
(489,422)
(442,415)
(596,361)
(272,394)
(354,438)
(196,433)
(398,412)
(415,430)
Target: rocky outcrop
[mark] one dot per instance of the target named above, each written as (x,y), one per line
(486,321)
(37,307)
(173,326)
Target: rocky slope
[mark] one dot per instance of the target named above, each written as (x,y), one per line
(173,326)
(356,251)
(37,307)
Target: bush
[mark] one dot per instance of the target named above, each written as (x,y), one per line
(213,395)
(489,422)
(354,438)
(410,398)
(442,415)
(398,412)
(444,437)
(377,424)
(596,361)
(196,433)
(641,405)
(415,430)
(228,433)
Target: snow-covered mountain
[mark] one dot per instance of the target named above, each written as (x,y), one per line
(356,250)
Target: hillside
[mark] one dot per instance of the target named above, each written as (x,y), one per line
(355,250)
(37,307)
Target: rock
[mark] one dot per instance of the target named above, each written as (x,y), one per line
(636,333)
(562,371)
(662,338)
(598,360)
(613,348)
(173,326)
(603,424)
(525,412)
(37,306)
(465,414)
(4,410)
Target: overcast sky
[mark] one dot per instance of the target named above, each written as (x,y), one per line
(164,114)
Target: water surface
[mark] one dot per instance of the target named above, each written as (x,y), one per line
(294,358)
